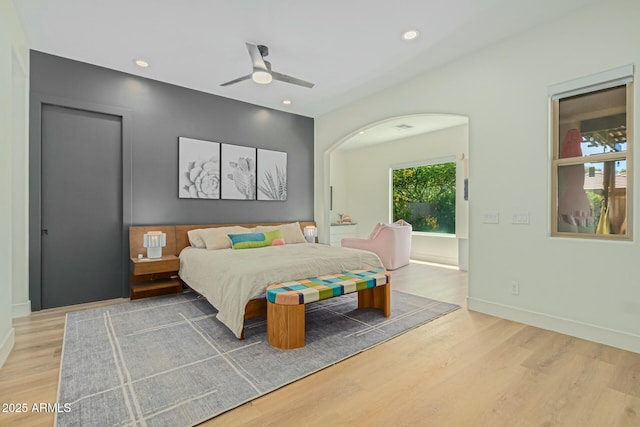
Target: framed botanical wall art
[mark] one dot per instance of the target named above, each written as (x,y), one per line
(238,172)
(199,169)
(272,175)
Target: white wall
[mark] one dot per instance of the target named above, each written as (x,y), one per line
(362,175)
(338,180)
(13,104)
(584,288)
(20,185)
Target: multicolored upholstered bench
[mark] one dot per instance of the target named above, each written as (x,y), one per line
(286,301)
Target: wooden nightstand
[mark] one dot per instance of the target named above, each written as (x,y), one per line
(151,277)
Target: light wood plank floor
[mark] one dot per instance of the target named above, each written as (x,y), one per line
(464,369)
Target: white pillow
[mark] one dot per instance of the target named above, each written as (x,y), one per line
(195,239)
(217,238)
(291,233)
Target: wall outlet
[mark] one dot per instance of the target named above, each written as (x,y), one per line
(515,288)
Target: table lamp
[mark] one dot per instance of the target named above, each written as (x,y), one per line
(154,241)
(310,233)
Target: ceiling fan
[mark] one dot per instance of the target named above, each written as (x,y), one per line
(262,72)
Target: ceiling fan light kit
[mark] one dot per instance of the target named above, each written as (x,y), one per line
(262,72)
(261,77)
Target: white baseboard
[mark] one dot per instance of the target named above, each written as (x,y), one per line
(6,345)
(434,258)
(613,338)
(22,309)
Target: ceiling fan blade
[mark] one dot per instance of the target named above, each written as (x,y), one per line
(288,79)
(238,80)
(256,57)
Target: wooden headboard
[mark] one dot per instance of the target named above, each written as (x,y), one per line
(177,238)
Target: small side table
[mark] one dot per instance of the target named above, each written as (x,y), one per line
(339,231)
(152,277)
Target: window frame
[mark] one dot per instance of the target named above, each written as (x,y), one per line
(557,162)
(421,163)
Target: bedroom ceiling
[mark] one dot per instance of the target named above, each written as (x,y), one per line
(349,49)
(402,127)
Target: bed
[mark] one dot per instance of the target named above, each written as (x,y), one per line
(234,281)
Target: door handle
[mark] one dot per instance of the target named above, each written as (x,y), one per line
(45,232)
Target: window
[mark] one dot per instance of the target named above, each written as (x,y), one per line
(592,161)
(425,197)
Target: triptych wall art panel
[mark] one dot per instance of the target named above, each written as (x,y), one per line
(213,170)
(238,172)
(199,170)
(272,175)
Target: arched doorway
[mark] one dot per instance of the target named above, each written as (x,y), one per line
(358,168)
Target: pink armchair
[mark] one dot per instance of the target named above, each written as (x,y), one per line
(391,242)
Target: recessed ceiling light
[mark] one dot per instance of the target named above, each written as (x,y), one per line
(286,101)
(410,35)
(141,63)
(361,132)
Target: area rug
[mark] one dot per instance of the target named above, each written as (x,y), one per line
(167,361)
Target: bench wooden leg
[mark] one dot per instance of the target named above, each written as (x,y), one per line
(377,297)
(285,325)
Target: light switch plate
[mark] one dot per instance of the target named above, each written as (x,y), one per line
(491,217)
(520,218)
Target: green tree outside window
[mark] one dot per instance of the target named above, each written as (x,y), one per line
(425,197)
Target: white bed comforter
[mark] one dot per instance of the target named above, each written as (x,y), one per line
(229,278)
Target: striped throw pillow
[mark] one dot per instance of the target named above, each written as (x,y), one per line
(256,240)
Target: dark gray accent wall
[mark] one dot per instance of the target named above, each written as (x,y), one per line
(154,115)
(162,113)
